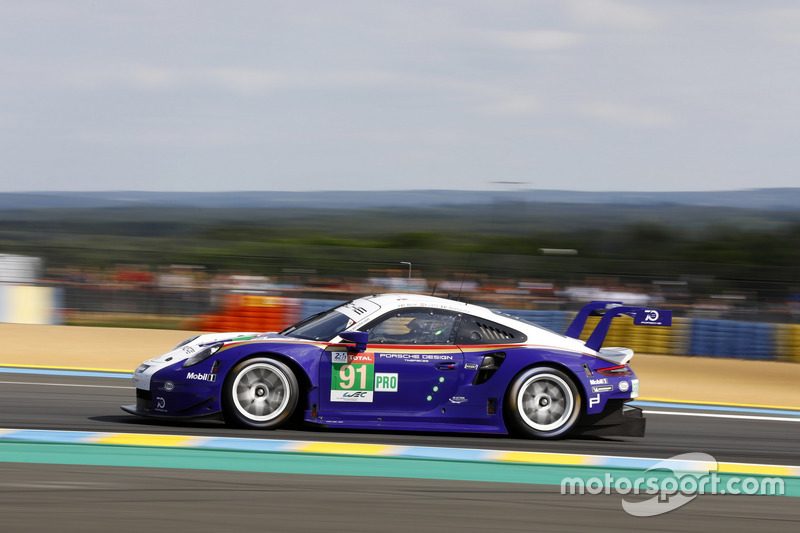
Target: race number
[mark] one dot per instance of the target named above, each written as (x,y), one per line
(353,381)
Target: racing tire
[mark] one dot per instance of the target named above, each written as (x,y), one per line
(543,403)
(260,393)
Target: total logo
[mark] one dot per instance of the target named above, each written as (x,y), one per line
(211,378)
(363,358)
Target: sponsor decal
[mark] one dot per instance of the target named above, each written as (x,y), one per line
(594,400)
(353,381)
(458,399)
(602,388)
(385,382)
(367,358)
(339,357)
(196,376)
(600,381)
(358,309)
(653,317)
(169,386)
(624,386)
(351,396)
(188,350)
(416,357)
(161,403)
(471,366)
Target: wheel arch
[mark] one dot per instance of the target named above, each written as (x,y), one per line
(303,379)
(546,363)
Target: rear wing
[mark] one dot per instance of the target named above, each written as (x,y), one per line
(642,316)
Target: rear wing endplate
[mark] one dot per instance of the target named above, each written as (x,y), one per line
(642,316)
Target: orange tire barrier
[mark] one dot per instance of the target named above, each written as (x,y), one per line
(249,312)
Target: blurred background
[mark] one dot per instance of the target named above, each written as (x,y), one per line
(246,262)
(528,156)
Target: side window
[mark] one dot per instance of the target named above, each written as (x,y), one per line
(474,330)
(413,326)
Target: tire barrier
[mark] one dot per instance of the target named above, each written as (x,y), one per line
(246,312)
(788,341)
(733,338)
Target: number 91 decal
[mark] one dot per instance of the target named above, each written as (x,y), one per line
(356,381)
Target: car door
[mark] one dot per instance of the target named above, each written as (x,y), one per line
(411,366)
(484,344)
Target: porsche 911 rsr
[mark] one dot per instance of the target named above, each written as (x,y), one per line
(406,362)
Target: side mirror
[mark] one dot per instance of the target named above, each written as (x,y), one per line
(359,338)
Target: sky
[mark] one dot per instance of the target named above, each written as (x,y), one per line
(384,95)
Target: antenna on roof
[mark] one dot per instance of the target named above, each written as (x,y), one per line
(461,286)
(409,267)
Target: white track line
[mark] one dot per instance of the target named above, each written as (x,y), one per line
(63,384)
(714,415)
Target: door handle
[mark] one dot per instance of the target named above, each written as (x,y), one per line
(447,365)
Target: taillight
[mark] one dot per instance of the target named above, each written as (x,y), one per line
(616,370)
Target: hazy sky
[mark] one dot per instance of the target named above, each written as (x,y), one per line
(302,95)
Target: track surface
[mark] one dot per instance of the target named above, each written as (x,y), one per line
(92,404)
(100,499)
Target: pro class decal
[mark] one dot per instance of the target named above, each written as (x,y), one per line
(385,382)
(353,381)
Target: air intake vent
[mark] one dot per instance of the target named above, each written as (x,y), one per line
(489,365)
(494,333)
(474,330)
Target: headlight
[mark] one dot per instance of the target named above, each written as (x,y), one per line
(202,355)
(187,341)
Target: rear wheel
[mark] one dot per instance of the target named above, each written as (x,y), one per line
(544,402)
(260,393)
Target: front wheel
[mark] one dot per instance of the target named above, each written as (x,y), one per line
(544,403)
(260,393)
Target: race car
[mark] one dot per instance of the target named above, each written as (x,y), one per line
(410,363)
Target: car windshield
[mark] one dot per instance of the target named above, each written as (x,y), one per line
(320,327)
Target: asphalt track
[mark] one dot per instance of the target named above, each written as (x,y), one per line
(81,498)
(101,499)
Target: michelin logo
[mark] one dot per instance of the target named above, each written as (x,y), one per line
(211,378)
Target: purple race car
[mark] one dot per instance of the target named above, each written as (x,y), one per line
(407,362)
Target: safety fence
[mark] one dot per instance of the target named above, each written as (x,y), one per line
(687,336)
